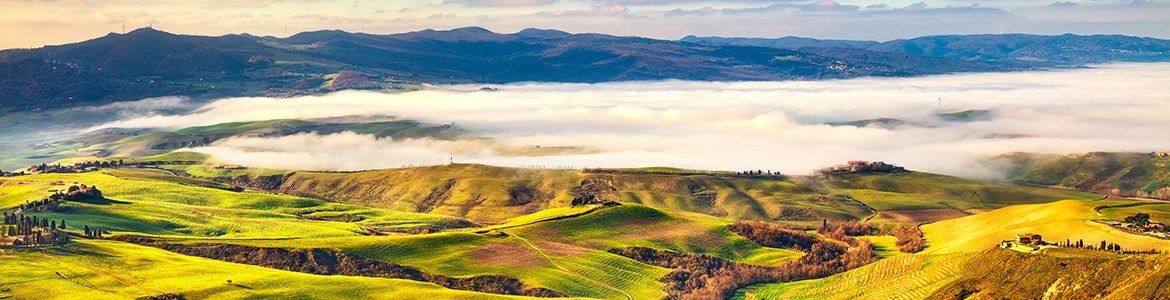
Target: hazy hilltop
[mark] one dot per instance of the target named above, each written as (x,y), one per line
(1047,50)
(150,63)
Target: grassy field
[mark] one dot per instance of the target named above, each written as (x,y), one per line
(903,277)
(1057,221)
(527,229)
(567,255)
(962,253)
(154,203)
(95,269)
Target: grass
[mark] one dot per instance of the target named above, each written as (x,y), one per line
(636,225)
(916,191)
(544,243)
(486,193)
(154,203)
(95,269)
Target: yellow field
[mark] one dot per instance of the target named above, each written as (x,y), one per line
(95,269)
(1057,221)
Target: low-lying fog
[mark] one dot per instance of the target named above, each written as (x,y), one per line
(726,126)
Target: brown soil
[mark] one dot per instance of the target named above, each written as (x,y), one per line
(506,254)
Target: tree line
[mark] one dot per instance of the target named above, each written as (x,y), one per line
(1103,246)
(702,276)
(909,237)
(29,231)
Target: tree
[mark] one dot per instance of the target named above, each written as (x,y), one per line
(62,224)
(1139,219)
(87,231)
(1103,245)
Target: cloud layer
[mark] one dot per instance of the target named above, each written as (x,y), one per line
(728,126)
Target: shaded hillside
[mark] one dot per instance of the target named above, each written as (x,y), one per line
(1020,49)
(1122,173)
(149,63)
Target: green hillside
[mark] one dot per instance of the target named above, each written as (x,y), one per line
(492,194)
(1116,173)
(473,221)
(96,269)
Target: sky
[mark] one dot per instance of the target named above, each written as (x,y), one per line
(34,23)
(777,126)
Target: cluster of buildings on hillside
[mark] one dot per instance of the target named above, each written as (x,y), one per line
(861,166)
(1025,240)
(88,166)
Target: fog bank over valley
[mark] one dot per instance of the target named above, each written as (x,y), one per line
(779,126)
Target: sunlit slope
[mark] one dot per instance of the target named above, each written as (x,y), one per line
(560,249)
(493,194)
(152,202)
(95,269)
(1057,221)
(637,225)
(902,277)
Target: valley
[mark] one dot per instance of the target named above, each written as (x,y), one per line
(469,221)
(586,149)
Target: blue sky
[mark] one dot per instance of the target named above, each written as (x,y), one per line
(33,23)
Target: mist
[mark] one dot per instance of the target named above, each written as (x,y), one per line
(777,126)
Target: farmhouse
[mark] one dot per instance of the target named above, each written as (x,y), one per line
(1030,239)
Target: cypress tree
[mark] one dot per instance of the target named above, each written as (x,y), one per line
(62,223)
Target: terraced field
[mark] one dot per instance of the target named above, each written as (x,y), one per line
(903,277)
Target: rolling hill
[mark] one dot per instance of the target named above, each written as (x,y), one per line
(163,225)
(493,194)
(1125,174)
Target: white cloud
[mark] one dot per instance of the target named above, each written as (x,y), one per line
(731,126)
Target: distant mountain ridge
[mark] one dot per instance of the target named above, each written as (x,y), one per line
(1057,50)
(150,63)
